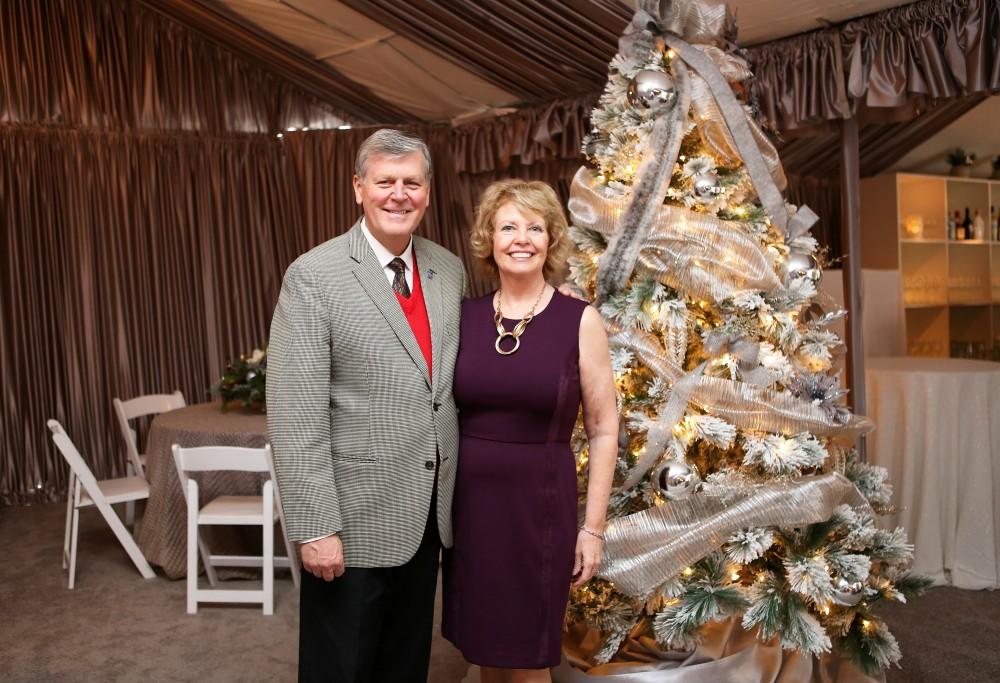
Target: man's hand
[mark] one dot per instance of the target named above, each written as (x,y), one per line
(566,289)
(323,558)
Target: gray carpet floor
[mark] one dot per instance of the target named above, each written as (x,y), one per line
(116,626)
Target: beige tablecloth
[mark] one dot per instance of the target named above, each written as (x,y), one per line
(162,531)
(938,434)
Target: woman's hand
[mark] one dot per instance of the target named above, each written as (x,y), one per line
(589,551)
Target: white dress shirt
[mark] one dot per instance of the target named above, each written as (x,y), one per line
(385,256)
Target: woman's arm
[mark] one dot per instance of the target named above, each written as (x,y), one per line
(600,418)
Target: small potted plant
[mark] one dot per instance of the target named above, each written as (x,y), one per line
(996,167)
(961,162)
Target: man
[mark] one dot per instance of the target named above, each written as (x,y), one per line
(363,424)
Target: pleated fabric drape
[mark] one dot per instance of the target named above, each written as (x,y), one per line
(146,219)
(116,65)
(132,265)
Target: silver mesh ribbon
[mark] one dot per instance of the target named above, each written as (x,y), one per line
(712,125)
(695,30)
(791,223)
(659,157)
(645,549)
(695,253)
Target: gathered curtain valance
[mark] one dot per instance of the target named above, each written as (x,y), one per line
(935,50)
(900,60)
(546,133)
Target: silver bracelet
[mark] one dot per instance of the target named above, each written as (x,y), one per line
(592,533)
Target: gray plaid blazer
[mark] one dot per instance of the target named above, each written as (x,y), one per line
(354,420)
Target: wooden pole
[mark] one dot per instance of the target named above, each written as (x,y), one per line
(850,182)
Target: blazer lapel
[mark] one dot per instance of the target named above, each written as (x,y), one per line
(431,284)
(372,278)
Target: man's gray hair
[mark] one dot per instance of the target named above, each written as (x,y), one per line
(391,143)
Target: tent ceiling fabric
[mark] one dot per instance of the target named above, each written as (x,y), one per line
(538,49)
(441,60)
(211,20)
(391,66)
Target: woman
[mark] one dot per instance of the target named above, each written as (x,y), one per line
(528,356)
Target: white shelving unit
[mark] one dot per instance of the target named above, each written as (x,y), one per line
(951,288)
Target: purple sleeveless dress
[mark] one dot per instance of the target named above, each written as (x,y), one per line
(507,579)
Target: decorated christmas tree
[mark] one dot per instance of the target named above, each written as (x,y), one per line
(738,498)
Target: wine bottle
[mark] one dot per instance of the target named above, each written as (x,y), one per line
(993,223)
(951,227)
(959,227)
(967,224)
(978,227)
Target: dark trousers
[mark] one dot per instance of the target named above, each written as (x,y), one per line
(371,624)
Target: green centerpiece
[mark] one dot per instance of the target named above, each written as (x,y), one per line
(244,381)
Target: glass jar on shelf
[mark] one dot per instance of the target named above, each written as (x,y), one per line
(913,226)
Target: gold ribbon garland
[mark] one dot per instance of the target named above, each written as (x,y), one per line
(643,550)
(746,406)
(700,255)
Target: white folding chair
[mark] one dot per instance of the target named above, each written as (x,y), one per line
(263,510)
(140,406)
(85,490)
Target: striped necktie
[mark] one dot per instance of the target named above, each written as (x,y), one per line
(399,280)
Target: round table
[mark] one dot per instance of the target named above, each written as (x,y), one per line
(162,531)
(938,434)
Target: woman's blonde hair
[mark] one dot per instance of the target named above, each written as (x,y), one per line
(532,196)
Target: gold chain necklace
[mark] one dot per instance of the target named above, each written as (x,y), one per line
(519,328)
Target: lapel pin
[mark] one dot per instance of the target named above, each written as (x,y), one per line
(430,273)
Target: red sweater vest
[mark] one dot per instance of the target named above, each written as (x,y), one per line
(416,315)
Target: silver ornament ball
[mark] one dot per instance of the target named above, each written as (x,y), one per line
(651,89)
(847,593)
(705,185)
(676,479)
(800,265)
